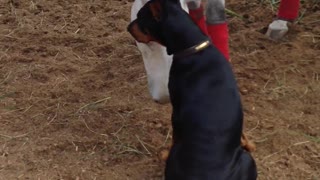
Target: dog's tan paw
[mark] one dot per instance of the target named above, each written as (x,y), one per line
(247,144)
(164,154)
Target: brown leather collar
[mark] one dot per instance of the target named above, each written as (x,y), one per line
(194,49)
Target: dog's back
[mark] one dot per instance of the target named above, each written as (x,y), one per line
(207,121)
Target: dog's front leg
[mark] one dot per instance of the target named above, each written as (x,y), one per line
(164,154)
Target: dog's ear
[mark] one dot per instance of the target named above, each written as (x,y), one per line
(156,9)
(138,35)
(174,1)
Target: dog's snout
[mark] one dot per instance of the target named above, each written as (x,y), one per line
(130,27)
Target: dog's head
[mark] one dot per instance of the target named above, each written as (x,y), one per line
(149,23)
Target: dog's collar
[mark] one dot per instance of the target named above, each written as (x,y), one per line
(194,49)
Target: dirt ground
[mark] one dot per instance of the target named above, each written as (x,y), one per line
(74,102)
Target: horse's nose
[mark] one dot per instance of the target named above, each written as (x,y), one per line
(157,101)
(158,89)
(162,100)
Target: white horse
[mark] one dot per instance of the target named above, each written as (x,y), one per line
(156,61)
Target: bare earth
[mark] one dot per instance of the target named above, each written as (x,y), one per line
(74,102)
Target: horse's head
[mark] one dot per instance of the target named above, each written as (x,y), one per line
(156,61)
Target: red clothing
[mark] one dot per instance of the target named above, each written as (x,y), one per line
(289,10)
(198,17)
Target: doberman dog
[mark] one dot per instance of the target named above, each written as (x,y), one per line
(207,113)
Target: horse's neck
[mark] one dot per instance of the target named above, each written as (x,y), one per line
(184,5)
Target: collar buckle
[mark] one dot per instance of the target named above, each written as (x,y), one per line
(193,49)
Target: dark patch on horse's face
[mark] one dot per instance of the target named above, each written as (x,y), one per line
(147,26)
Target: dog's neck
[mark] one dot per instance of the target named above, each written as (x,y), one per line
(181,32)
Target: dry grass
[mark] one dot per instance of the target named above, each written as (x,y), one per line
(74,102)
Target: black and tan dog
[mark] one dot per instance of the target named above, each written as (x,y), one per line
(207,114)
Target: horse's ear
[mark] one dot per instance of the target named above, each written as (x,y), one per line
(138,35)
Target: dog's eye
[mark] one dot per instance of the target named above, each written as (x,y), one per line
(156,18)
(146,31)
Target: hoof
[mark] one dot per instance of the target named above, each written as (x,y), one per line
(277,30)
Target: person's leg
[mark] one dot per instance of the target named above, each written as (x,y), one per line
(217,25)
(196,12)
